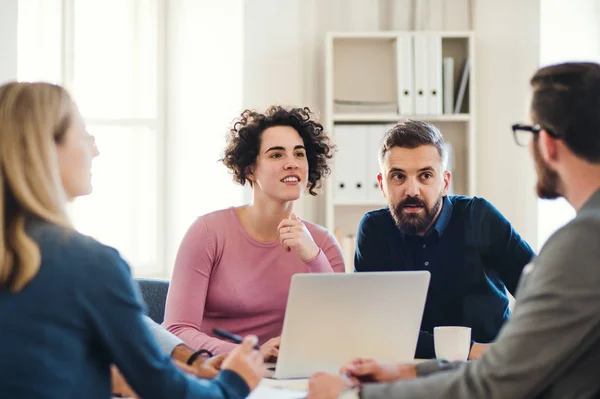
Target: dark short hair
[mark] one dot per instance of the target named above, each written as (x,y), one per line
(412,134)
(244,138)
(566,101)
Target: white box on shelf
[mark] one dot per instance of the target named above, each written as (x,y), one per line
(375,136)
(349,173)
(372,164)
(406,79)
(434,79)
(421,69)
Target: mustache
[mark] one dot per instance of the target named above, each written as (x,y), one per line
(412,201)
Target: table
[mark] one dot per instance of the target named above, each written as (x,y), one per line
(288,389)
(291,388)
(280,389)
(297,388)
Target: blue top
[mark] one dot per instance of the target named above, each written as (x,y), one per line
(472,253)
(79,314)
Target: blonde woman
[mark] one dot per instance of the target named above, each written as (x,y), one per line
(67,303)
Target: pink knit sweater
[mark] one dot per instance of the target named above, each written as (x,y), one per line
(224,278)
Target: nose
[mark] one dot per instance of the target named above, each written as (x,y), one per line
(412,188)
(291,164)
(95,151)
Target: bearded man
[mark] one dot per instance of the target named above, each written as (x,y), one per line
(471,250)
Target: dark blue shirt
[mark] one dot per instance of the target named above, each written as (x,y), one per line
(473,255)
(79,314)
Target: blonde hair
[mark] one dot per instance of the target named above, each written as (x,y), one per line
(34,117)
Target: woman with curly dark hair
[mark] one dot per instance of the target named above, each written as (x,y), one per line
(234,266)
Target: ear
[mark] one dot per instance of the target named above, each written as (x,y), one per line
(447,176)
(380,181)
(250,174)
(548,146)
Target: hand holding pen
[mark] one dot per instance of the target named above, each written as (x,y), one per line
(246,362)
(219,332)
(269,350)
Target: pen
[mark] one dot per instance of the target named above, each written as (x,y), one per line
(230,336)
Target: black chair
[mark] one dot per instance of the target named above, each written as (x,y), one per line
(154,293)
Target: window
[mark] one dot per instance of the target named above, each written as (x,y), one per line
(39,43)
(158,82)
(578,39)
(114,75)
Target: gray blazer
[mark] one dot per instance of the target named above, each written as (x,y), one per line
(550,348)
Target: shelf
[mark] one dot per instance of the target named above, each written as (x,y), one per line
(364,74)
(393,34)
(395,117)
(379,204)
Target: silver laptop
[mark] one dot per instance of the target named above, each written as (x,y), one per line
(333,318)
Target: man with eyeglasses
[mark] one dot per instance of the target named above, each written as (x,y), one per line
(550,348)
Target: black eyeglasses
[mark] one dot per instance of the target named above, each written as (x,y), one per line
(523,133)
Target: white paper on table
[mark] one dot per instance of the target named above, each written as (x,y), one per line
(266,392)
(296,384)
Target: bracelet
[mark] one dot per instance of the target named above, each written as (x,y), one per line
(195,355)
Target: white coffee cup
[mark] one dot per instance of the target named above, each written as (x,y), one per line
(452,343)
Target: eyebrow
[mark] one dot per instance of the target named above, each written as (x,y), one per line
(279,148)
(425,169)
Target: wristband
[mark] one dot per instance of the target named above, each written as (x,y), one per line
(195,355)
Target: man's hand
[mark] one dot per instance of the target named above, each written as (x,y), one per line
(328,386)
(202,370)
(477,350)
(209,368)
(119,385)
(203,366)
(246,362)
(369,370)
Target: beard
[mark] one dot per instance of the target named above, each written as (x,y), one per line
(548,181)
(415,223)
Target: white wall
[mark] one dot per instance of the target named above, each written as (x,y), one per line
(277,48)
(507,55)
(204,58)
(8,40)
(283,57)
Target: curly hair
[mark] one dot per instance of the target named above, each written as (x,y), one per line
(243,142)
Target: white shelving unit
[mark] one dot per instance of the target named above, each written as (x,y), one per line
(393,118)
(364,68)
